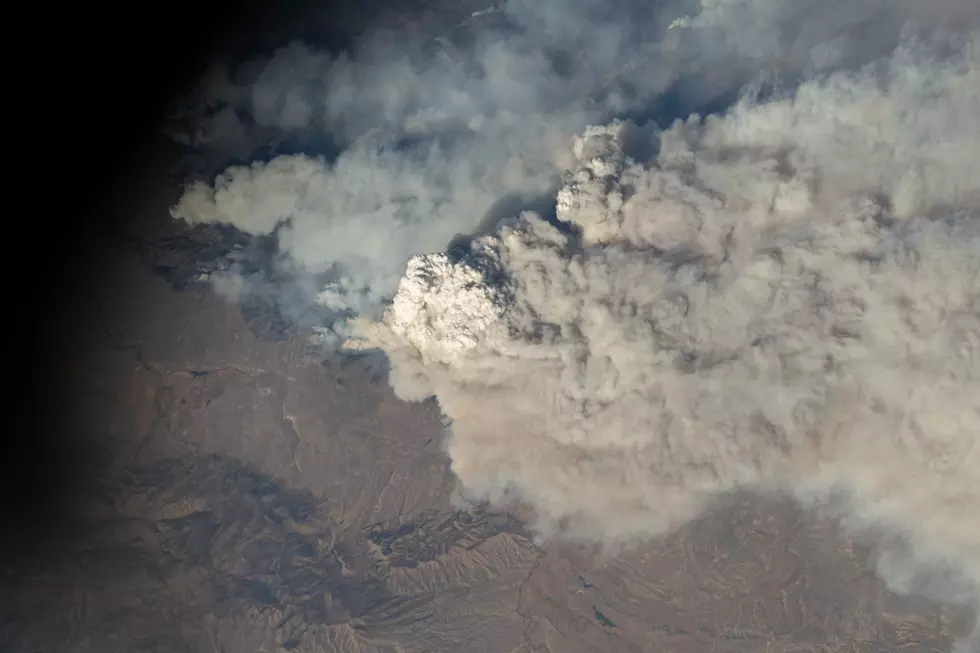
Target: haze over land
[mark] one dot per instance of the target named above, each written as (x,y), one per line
(780,297)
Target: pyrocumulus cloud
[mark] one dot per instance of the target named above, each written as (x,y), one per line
(787,297)
(438,141)
(782,296)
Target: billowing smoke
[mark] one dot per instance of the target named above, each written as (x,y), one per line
(361,216)
(438,139)
(441,134)
(787,297)
(783,296)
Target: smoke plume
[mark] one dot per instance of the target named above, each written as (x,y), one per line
(786,298)
(437,138)
(440,134)
(782,296)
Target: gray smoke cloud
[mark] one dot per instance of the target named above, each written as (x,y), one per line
(434,144)
(783,296)
(440,137)
(786,298)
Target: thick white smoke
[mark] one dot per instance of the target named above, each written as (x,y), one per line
(434,138)
(433,144)
(786,298)
(368,211)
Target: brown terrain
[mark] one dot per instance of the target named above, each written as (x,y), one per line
(258,500)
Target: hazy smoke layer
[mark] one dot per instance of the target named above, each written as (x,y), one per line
(786,297)
(436,140)
(367,211)
(442,134)
(783,296)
